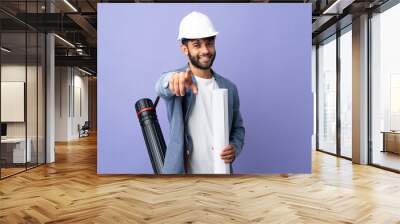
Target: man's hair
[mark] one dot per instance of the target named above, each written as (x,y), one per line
(185,41)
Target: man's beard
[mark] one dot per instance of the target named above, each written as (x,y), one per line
(196,61)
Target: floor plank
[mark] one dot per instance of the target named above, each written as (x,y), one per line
(70,191)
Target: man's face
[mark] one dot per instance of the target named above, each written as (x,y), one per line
(201,52)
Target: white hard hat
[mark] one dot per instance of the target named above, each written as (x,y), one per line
(196,25)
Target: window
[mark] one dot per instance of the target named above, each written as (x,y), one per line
(346,92)
(327,95)
(385,88)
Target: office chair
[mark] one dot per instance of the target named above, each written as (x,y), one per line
(84,130)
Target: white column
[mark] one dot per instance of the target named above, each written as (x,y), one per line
(50,100)
(360,90)
(50,92)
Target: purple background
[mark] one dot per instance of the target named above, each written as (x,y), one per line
(265,49)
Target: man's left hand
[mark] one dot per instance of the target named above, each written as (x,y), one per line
(228,153)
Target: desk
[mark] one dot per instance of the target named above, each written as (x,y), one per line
(13,150)
(391,141)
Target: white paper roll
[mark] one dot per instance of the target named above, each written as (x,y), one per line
(220,129)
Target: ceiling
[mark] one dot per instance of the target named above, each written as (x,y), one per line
(76,22)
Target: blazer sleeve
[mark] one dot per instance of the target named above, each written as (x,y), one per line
(237,133)
(162,86)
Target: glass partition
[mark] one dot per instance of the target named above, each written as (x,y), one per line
(32,95)
(327,95)
(22,88)
(13,103)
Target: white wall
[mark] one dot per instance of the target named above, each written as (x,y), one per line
(80,105)
(71,93)
(15,72)
(62,81)
(12,73)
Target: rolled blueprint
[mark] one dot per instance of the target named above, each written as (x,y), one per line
(220,129)
(153,137)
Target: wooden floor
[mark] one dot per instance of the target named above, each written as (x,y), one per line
(70,191)
(387,159)
(5,172)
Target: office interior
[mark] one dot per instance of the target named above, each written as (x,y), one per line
(47,81)
(49,85)
(334,70)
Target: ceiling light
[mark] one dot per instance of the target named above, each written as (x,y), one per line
(65,41)
(5,50)
(338,6)
(84,71)
(70,5)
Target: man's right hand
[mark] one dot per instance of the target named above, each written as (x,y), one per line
(180,81)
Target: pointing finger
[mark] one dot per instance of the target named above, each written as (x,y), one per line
(181,85)
(176,85)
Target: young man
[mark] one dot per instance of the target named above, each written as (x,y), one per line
(187,92)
